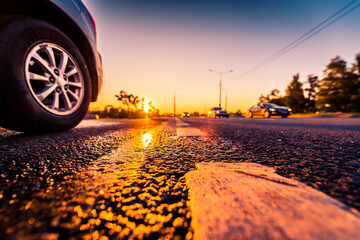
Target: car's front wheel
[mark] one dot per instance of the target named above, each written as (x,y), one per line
(266,114)
(44,82)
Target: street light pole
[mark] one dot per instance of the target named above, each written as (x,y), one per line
(220,85)
(226,100)
(175,102)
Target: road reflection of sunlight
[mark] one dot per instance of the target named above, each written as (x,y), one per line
(121,195)
(146,139)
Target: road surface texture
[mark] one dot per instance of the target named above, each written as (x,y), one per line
(122,179)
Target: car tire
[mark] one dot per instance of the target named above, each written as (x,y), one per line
(266,114)
(284,116)
(44,81)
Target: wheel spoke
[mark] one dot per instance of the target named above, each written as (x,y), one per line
(63,62)
(76,97)
(67,101)
(51,56)
(71,72)
(34,76)
(55,104)
(75,84)
(43,63)
(46,92)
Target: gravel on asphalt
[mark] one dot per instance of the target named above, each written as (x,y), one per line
(65,186)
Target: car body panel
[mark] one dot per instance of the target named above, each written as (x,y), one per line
(218,112)
(76,10)
(185,114)
(273,109)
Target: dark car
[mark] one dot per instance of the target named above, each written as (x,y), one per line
(50,68)
(218,112)
(185,114)
(267,110)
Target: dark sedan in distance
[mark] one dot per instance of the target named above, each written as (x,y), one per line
(267,110)
(185,114)
(218,112)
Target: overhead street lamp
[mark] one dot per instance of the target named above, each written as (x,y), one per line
(220,74)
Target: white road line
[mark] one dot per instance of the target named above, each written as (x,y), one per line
(189,132)
(180,123)
(98,123)
(250,201)
(184,130)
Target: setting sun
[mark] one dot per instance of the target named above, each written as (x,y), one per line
(147,107)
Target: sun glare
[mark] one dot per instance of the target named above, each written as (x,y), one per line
(146,139)
(146,107)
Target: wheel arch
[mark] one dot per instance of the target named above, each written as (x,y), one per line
(47,11)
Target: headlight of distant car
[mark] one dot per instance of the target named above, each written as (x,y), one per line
(217,111)
(272,109)
(289,109)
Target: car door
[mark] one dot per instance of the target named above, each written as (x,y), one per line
(256,109)
(262,109)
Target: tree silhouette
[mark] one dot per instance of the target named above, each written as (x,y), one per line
(108,107)
(130,100)
(273,97)
(358,62)
(134,100)
(295,95)
(143,103)
(312,81)
(340,88)
(125,99)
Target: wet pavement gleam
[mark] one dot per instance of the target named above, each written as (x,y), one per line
(127,193)
(126,180)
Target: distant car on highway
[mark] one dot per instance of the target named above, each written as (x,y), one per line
(267,110)
(218,112)
(185,114)
(50,68)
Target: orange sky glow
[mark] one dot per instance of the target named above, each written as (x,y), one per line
(155,57)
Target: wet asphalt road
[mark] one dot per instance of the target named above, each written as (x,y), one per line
(125,179)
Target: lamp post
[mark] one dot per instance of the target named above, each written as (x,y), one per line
(175,101)
(226,99)
(220,74)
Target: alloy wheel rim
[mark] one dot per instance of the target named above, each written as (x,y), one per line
(54,79)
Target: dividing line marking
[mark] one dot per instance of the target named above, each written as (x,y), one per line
(189,132)
(99,123)
(184,130)
(250,201)
(180,123)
